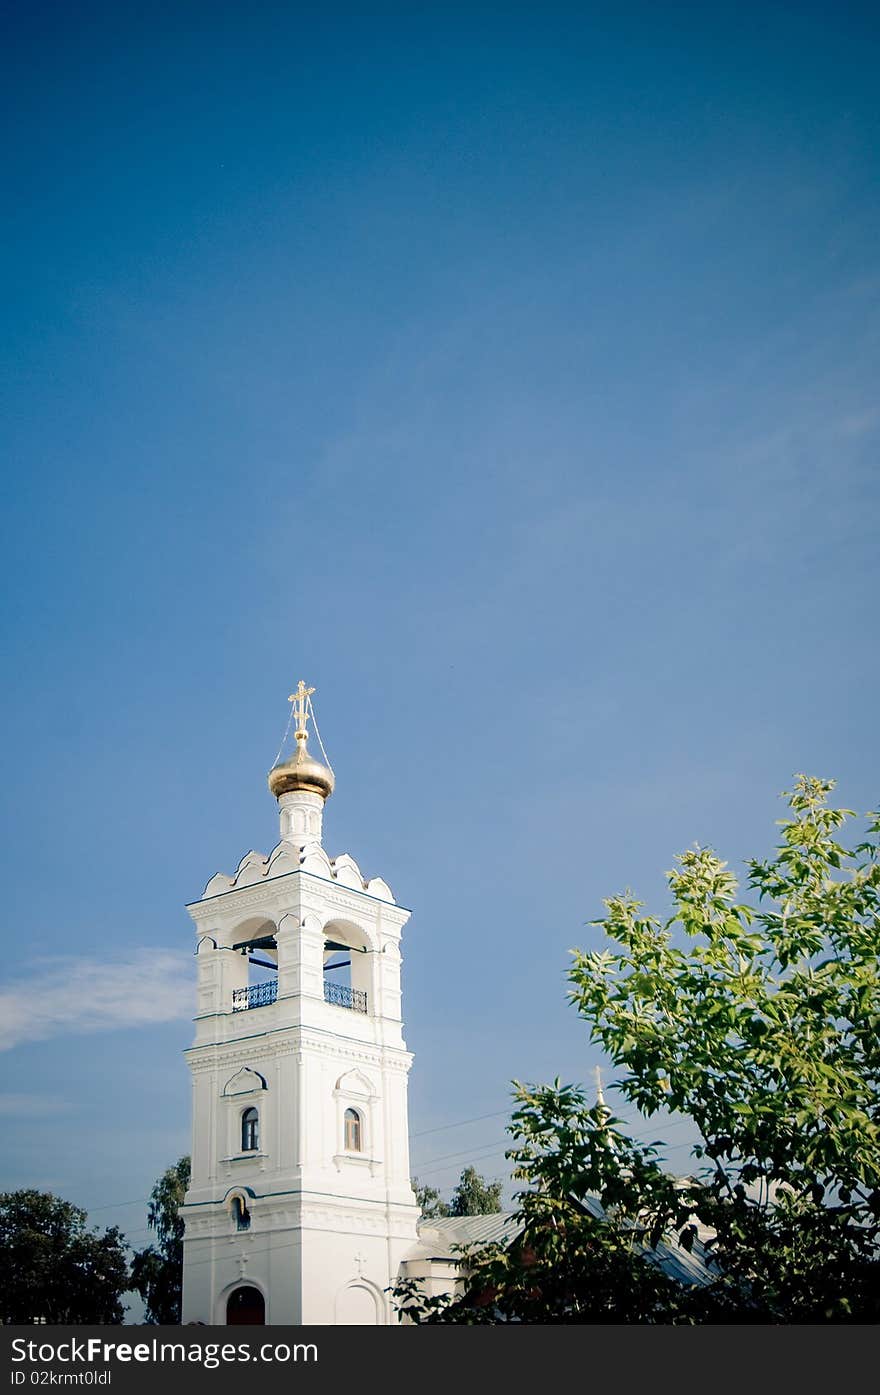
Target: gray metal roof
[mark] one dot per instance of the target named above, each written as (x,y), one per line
(440,1235)
(469,1230)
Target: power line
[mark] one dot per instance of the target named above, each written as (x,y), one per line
(459,1123)
(492,1151)
(427,1162)
(117,1205)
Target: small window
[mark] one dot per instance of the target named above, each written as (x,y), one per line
(240,1214)
(250,1131)
(353,1131)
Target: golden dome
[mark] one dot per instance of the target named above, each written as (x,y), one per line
(301,772)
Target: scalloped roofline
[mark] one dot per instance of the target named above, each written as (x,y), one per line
(298,872)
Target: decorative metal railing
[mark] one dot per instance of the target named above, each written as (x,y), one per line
(354,998)
(262,994)
(257,995)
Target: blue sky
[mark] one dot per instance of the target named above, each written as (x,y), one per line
(507,372)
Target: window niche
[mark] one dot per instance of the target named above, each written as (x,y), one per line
(241,1216)
(356,1097)
(245,1101)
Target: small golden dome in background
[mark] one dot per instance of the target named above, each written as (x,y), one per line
(301,772)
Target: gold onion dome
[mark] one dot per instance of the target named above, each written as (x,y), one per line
(302,771)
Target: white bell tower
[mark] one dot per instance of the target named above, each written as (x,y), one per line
(300,1207)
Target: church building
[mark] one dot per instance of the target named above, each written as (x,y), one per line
(300,1209)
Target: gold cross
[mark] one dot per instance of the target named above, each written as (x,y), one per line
(300,706)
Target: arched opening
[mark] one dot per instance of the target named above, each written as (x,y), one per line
(241,1216)
(257,974)
(246,1307)
(250,1130)
(346,966)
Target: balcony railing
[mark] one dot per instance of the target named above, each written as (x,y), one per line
(262,994)
(354,998)
(257,995)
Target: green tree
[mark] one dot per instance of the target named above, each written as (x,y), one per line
(431,1203)
(157,1273)
(54,1269)
(569,1262)
(761,1025)
(474,1196)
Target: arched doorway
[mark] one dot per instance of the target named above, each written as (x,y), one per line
(246,1307)
(356,1307)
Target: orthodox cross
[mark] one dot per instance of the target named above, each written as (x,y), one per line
(300,700)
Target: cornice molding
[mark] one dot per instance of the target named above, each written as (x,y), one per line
(257,893)
(216,1055)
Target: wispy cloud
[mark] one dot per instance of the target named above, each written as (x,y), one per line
(33,1106)
(70,996)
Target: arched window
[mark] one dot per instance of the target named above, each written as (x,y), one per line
(240,1214)
(250,1131)
(353,1131)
